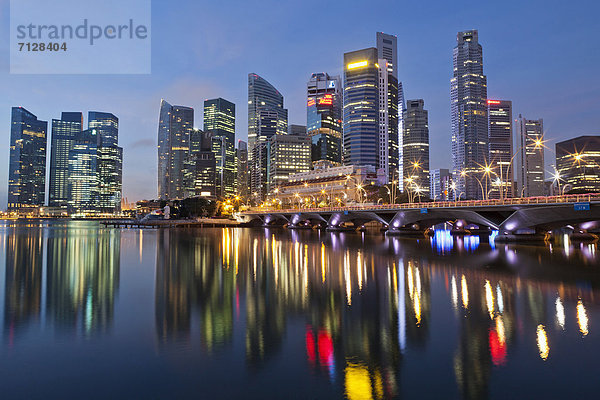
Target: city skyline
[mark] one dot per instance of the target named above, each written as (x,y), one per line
(424,69)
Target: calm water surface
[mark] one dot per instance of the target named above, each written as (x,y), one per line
(91,312)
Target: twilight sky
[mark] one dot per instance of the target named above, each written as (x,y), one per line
(542,55)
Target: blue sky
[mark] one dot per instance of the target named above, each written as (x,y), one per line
(542,55)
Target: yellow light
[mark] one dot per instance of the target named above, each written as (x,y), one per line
(542,342)
(489,298)
(357,382)
(582,319)
(464,291)
(358,64)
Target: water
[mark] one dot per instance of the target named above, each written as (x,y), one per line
(90,312)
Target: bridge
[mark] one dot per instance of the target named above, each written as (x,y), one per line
(514,218)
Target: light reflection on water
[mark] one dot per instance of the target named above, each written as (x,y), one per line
(313,314)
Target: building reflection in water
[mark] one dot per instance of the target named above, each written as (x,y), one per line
(23,278)
(82,277)
(81,264)
(365,301)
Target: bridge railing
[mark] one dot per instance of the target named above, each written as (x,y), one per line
(569,198)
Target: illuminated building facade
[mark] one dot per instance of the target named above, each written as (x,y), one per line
(107,126)
(578,164)
(468,95)
(530,157)
(64,131)
(27,167)
(337,184)
(110,178)
(243,181)
(500,137)
(259,176)
(219,118)
(200,167)
(110,161)
(361,108)
(287,155)
(415,143)
(263,96)
(391,105)
(324,117)
(83,173)
(174,128)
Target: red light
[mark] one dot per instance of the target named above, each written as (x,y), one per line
(310,345)
(311,102)
(493,101)
(326,100)
(497,349)
(325,348)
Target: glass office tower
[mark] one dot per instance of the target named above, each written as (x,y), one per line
(500,136)
(64,132)
(107,126)
(219,118)
(361,108)
(324,117)
(174,128)
(415,151)
(27,165)
(468,95)
(83,173)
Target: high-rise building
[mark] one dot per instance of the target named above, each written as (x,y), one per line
(243,178)
(64,132)
(27,167)
(107,126)
(578,164)
(500,138)
(110,161)
(200,166)
(174,128)
(324,117)
(286,155)
(83,175)
(263,96)
(390,102)
(219,118)
(415,152)
(110,178)
(361,108)
(468,94)
(530,157)
(259,176)
(440,184)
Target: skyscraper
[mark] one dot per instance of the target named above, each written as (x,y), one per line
(500,136)
(468,94)
(200,166)
(530,157)
(64,132)
(243,178)
(83,175)
(390,99)
(415,152)
(578,164)
(361,108)
(110,160)
(107,127)
(27,167)
(174,128)
(324,117)
(266,117)
(263,96)
(219,118)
